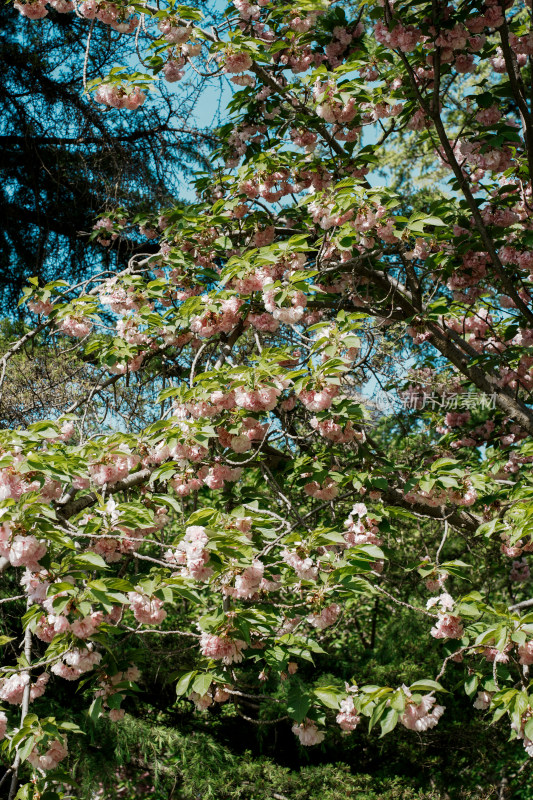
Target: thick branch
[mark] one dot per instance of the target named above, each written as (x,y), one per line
(442,340)
(73,507)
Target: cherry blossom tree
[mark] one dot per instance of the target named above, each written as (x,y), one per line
(265,491)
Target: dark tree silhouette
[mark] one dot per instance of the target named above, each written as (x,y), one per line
(65,159)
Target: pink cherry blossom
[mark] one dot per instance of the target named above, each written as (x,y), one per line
(248,582)
(224,649)
(525,651)
(201,701)
(326,617)
(57,751)
(304,567)
(77,327)
(348,718)
(308,733)
(423,716)
(25,551)
(146,610)
(447,627)
(51,626)
(237,62)
(76,662)
(483,700)
(12,688)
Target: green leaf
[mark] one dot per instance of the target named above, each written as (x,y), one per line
(377,713)
(32,617)
(298,702)
(388,721)
(528,728)
(25,792)
(182,686)
(443,462)
(371,550)
(417,222)
(115,700)
(427,685)
(398,701)
(202,683)
(89,559)
(519,637)
(202,516)
(471,685)
(329,696)
(26,748)
(71,726)
(95,709)
(498,714)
